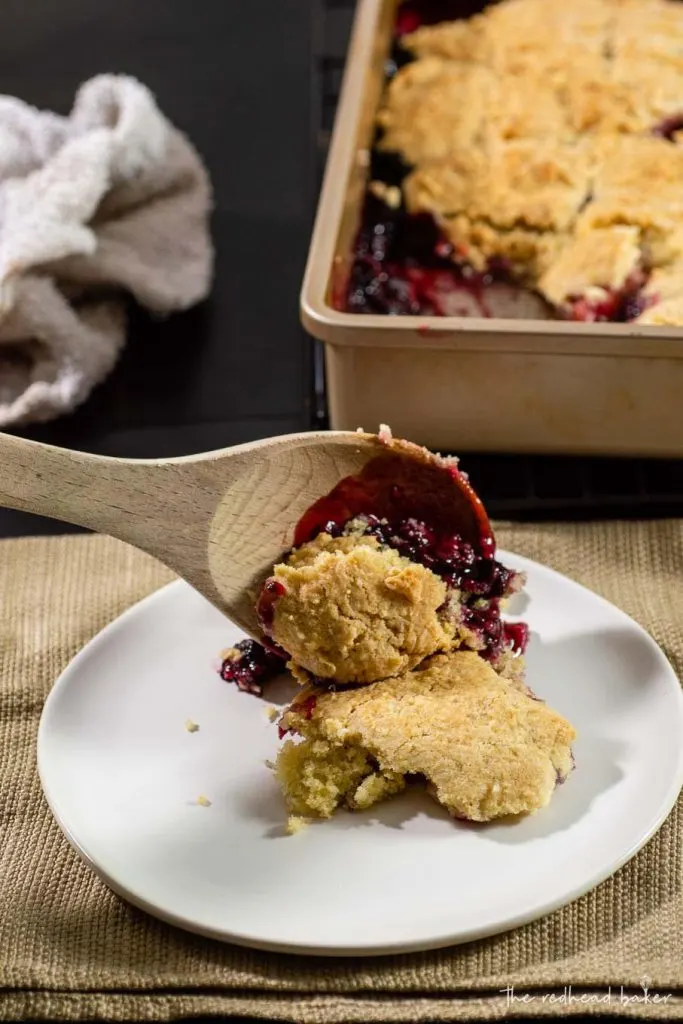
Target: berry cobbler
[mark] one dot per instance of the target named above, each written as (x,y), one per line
(388,612)
(533,148)
(483,748)
(370,598)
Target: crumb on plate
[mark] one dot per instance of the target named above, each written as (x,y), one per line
(296,823)
(203,801)
(191,726)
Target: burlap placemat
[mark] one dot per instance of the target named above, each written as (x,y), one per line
(71,949)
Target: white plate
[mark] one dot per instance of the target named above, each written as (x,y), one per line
(122,776)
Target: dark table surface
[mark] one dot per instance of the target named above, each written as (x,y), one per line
(236,79)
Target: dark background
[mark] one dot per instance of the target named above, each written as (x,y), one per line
(255,86)
(236,78)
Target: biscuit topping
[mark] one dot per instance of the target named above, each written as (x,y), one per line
(544,141)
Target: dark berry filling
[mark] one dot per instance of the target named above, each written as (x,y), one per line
(253,668)
(517,635)
(404,266)
(412,14)
(486,623)
(265,608)
(667,128)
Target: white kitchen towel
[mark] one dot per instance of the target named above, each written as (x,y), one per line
(109,201)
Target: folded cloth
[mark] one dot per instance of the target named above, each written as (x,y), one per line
(109,200)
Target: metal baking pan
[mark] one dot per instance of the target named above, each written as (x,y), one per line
(472,383)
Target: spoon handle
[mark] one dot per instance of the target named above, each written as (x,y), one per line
(162,506)
(125,499)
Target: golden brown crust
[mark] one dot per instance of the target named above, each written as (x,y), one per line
(354,613)
(592,264)
(668,313)
(434,109)
(485,748)
(523,183)
(533,124)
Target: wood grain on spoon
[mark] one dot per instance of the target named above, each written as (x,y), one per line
(222,519)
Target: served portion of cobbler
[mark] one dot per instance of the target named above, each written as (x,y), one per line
(370,598)
(484,747)
(388,612)
(536,145)
(393,565)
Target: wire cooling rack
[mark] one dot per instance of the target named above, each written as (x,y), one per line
(514,486)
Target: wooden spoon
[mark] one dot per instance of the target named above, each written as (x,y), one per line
(222,519)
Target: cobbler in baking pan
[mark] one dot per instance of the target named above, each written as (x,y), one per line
(528,162)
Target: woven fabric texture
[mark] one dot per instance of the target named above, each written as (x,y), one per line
(70,949)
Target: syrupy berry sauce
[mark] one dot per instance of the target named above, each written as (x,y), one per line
(412,14)
(517,634)
(394,486)
(265,607)
(404,266)
(253,668)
